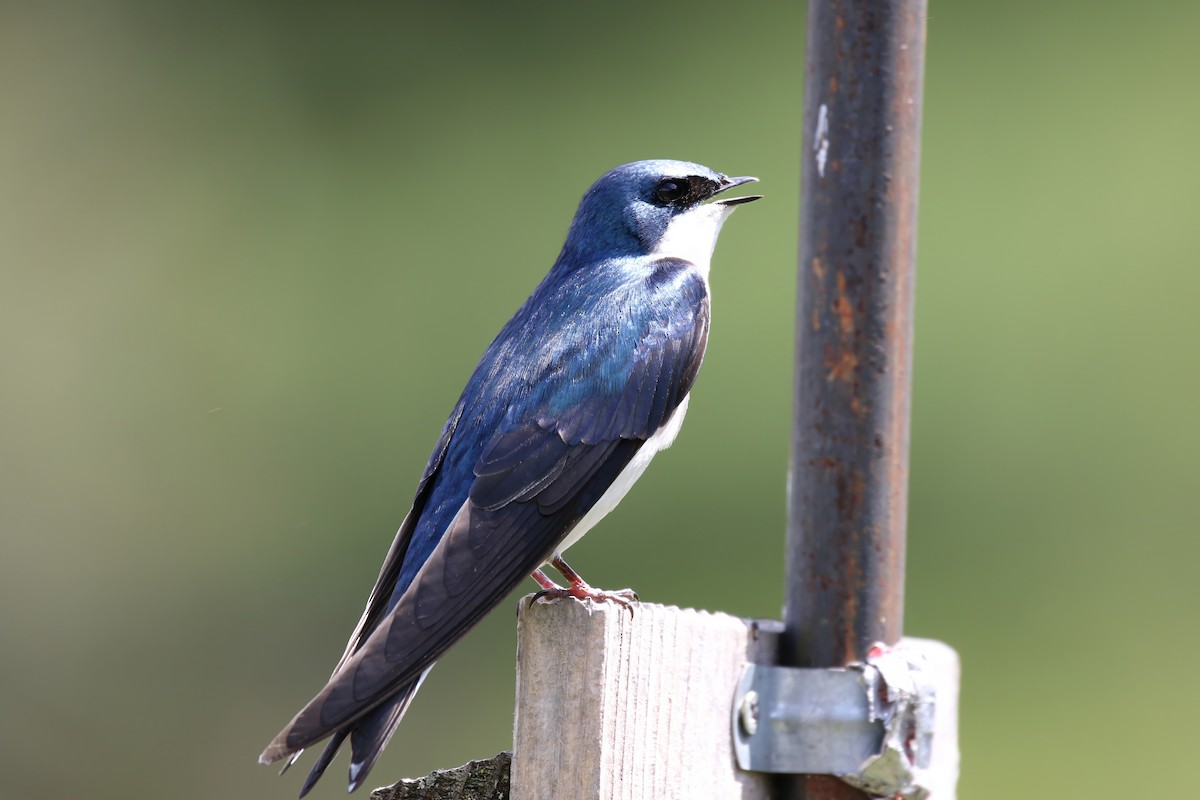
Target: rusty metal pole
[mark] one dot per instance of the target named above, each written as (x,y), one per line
(848,489)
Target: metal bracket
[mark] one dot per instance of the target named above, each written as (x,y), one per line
(814,721)
(871,724)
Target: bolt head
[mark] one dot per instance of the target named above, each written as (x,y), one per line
(748,713)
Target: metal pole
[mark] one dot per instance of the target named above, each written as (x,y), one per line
(848,489)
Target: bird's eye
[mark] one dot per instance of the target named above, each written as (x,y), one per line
(669,191)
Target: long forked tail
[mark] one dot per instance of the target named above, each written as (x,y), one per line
(368,736)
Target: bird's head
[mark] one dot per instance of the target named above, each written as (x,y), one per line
(655,208)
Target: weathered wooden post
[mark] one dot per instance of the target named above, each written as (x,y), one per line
(617,706)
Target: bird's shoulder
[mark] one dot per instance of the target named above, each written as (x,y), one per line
(621,330)
(617,373)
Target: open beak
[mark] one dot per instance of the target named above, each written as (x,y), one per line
(729,183)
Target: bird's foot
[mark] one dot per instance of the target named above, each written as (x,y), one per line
(626,598)
(580,590)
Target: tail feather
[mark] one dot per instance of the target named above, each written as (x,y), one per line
(368,736)
(372,733)
(323,761)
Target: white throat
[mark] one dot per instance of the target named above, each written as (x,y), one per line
(693,235)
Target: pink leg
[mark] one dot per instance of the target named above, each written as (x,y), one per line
(545,582)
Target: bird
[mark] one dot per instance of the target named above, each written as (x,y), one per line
(568,405)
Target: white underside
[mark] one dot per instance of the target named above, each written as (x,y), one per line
(661,440)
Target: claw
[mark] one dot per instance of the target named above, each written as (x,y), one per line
(579,589)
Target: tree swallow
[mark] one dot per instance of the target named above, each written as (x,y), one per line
(570,402)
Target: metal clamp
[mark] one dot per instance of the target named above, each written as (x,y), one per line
(870,724)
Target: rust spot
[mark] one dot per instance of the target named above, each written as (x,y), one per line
(833,84)
(857,407)
(851,619)
(851,497)
(850,494)
(818,271)
(842,306)
(842,367)
(839,22)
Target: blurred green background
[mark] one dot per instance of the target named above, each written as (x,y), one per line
(249,254)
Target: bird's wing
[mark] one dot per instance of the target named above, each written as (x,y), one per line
(548,460)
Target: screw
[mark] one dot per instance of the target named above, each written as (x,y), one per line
(748,713)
